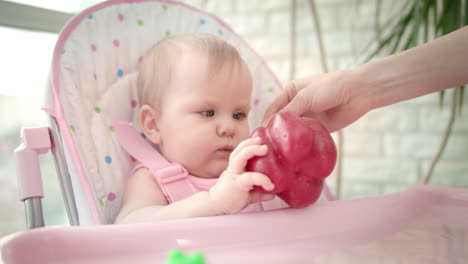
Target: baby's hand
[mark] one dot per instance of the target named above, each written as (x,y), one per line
(233,191)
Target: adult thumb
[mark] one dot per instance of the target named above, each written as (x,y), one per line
(299,105)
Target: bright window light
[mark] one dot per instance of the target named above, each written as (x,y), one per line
(26,59)
(68,6)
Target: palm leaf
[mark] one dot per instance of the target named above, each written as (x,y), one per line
(394,36)
(460,102)
(465,21)
(441,99)
(426,20)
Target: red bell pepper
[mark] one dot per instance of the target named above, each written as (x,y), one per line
(301,154)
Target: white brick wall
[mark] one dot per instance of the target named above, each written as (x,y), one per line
(389,148)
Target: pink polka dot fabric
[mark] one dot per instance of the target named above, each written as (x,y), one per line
(97,70)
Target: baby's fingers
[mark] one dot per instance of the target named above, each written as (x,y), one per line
(238,162)
(244,144)
(248,179)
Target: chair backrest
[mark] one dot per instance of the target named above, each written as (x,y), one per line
(93,84)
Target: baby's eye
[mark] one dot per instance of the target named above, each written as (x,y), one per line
(208,113)
(238,115)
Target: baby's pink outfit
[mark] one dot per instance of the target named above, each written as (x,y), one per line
(173,179)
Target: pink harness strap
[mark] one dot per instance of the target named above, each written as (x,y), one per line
(174,178)
(171,177)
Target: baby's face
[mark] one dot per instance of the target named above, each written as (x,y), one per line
(204,114)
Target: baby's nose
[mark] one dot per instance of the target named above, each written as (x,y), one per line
(226,129)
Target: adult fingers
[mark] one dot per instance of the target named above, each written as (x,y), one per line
(290,92)
(300,104)
(249,179)
(281,101)
(257,196)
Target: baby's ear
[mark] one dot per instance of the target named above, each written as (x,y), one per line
(149,124)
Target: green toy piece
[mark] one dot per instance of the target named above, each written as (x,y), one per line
(178,257)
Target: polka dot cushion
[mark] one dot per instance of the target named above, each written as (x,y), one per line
(98,71)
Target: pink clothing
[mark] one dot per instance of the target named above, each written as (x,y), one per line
(177,184)
(174,180)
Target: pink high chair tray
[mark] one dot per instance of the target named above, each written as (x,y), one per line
(420,225)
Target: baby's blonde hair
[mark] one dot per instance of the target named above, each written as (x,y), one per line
(159,62)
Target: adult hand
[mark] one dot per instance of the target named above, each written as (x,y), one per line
(337,99)
(334,99)
(234,189)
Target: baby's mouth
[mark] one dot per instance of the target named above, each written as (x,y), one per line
(226,149)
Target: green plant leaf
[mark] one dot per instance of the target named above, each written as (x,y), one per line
(465,20)
(450,16)
(427,8)
(382,45)
(394,35)
(435,13)
(410,41)
(437,20)
(441,99)
(414,34)
(460,98)
(418,12)
(398,38)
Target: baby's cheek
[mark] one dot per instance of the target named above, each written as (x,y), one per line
(193,158)
(217,167)
(190,165)
(244,133)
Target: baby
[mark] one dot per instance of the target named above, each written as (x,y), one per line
(195,93)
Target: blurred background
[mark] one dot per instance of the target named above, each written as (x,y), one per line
(386,151)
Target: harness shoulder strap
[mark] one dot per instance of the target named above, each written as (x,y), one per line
(172,177)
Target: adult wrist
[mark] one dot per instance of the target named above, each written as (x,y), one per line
(357,88)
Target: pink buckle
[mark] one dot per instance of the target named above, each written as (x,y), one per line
(173,172)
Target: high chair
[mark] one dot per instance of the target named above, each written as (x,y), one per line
(93,84)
